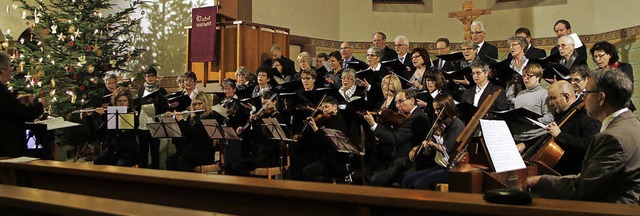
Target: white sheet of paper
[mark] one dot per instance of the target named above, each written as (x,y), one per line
(500,145)
(536,122)
(57,123)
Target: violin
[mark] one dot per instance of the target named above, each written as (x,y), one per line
(389,117)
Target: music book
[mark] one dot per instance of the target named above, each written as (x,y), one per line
(340,141)
(424,96)
(150,94)
(167,128)
(218,108)
(456,56)
(501,149)
(255,101)
(576,40)
(316,95)
(369,75)
(217,131)
(118,118)
(184,101)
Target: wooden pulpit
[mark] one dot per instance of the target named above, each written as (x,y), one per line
(238,43)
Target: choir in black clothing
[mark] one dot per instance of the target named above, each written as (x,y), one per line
(358,103)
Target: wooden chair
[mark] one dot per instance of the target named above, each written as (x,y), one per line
(215,167)
(270,172)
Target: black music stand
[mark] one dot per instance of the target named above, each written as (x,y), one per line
(342,144)
(166,128)
(118,118)
(217,131)
(277,133)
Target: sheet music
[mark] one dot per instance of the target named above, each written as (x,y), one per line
(536,122)
(19,160)
(500,145)
(220,110)
(57,123)
(576,40)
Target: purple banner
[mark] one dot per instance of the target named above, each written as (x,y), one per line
(203,34)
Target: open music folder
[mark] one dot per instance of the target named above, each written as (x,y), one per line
(217,131)
(118,118)
(501,148)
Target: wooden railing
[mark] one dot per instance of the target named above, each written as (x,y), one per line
(253,196)
(16,200)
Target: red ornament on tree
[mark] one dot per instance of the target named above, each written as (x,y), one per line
(70,69)
(71,43)
(82,88)
(41,92)
(89,48)
(75,76)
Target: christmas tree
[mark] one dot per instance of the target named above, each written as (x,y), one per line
(69,47)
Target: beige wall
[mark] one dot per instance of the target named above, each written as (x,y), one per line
(318,19)
(355,20)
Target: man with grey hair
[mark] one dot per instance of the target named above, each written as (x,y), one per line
(288,66)
(380,41)
(611,167)
(401,46)
(487,52)
(15,112)
(569,58)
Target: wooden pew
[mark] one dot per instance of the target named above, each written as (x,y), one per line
(252,196)
(16,200)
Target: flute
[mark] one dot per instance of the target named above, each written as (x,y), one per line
(83,111)
(182,113)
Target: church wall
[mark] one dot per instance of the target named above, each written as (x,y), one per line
(318,19)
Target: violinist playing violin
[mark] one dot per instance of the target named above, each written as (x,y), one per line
(574,135)
(258,149)
(317,159)
(401,139)
(431,157)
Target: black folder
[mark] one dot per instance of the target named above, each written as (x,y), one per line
(106,99)
(552,67)
(371,76)
(290,86)
(184,101)
(516,114)
(394,66)
(357,65)
(503,73)
(458,74)
(466,111)
(255,101)
(424,96)
(456,56)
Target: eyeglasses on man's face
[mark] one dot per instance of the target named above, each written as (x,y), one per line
(575,80)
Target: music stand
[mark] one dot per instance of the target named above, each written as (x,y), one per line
(277,133)
(342,144)
(118,118)
(166,128)
(217,131)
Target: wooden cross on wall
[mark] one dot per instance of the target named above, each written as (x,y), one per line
(467,15)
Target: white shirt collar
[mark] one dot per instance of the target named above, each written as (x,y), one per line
(377,68)
(608,119)
(480,45)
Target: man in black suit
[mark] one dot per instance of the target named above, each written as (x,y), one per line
(15,112)
(443,47)
(401,47)
(563,28)
(409,134)
(288,66)
(574,135)
(380,41)
(483,88)
(532,52)
(346,50)
(569,56)
(488,53)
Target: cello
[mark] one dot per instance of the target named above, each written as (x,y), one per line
(548,152)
